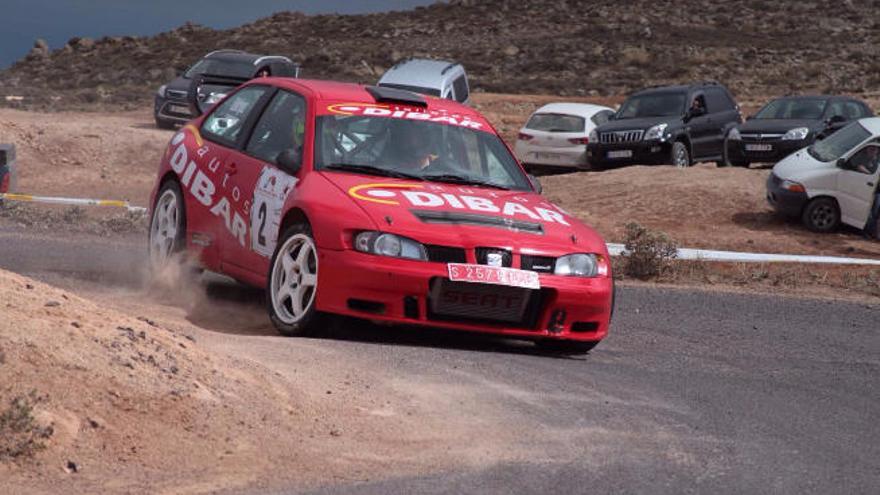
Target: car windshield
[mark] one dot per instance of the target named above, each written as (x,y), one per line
(837,144)
(221,68)
(414,89)
(793,108)
(556,122)
(417,150)
(665,104)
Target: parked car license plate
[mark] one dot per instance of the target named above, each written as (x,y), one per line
(620,154)
(759,147)
(548,156)
(484,274)
(178,109)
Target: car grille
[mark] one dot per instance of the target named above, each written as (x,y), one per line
(445,254)
(614,137)
(174,94)
(541,264)
(484,303)
(760,137)
(483,253)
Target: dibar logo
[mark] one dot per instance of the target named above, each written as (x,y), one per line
(379,193)
(424,115)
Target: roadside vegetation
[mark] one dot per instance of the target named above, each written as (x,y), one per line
(21,436)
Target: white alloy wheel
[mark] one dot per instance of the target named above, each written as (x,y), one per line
(294,279)
(165,227)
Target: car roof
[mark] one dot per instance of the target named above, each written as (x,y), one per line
(680,88)
(241,56)
(356,93)
(419,72)
(581,109)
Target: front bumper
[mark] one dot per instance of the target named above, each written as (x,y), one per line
(171,110)
(785,202)
(779,149)
(641,153)
(399,291)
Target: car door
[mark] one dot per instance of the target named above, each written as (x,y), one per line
(219,134)
(856,184)
(261,185)
(700,128)
(723,113)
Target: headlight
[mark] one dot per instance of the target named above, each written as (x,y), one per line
(385,244)
(796,134)
(161,91)
(734,135)
(792,186)
(594,136)
(214,98)
(581,265)
(655,132)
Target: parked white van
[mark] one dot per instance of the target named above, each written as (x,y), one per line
(832,181)
(438,78)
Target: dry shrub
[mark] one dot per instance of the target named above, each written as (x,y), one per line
(20,435)
(648,254)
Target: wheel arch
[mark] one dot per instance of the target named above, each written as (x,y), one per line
(293,216)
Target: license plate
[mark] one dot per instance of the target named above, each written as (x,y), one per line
(759,147)
(620,154)
(548,156)
(496,275)
(178,109)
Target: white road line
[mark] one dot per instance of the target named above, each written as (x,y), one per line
(735,256)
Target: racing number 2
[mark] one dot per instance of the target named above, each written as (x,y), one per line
(261,231)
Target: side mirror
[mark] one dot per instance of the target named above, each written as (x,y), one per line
(290,161)
(843,163)
(536,184)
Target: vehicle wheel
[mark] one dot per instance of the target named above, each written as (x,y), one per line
(164,124)
(680,156)
(566,347)
(167,226)
(293,283)
(821,215)
(726,161)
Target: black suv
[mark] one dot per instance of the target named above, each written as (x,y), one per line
(188,95)
(678,125)
(788,124)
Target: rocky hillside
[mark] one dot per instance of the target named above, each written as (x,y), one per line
(601,47)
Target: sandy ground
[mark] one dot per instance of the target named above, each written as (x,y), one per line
(158,405)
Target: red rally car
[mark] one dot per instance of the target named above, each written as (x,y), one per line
(380,204)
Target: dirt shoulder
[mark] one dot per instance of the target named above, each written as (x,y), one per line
(124,403)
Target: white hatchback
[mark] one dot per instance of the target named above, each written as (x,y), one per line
(556,135)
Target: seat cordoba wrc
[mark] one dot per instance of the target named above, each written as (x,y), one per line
(381,204)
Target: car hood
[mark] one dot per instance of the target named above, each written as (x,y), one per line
(796,165)
(778,126)
(456,215)
(179,83)
(640,123)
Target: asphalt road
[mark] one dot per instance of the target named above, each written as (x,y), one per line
(693,392)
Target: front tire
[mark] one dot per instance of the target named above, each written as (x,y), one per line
(293,283)
(821,215)
(167,226)
(680,155)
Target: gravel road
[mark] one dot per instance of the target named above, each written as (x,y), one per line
(693,392)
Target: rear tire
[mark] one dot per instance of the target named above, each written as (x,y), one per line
(167,235)
(292,286)
(680,156)
(821,215)
(566,347)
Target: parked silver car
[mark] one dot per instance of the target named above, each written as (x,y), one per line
(439,78)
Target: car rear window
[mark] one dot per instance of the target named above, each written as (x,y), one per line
(793,108)
(556,122)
